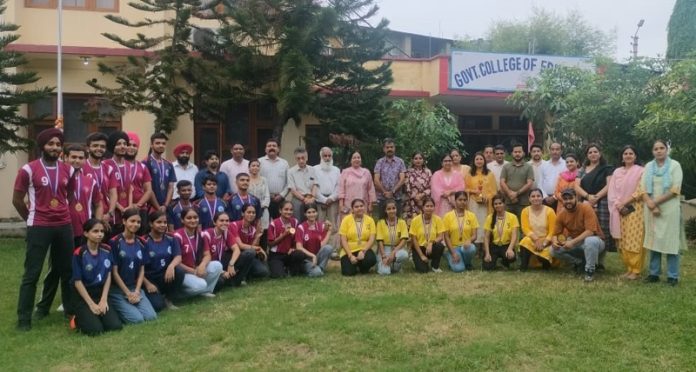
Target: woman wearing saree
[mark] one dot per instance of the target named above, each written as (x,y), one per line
(480,182)
(626,214)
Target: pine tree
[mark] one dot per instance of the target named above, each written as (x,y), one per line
(681,31)
(159,82)
(12,96)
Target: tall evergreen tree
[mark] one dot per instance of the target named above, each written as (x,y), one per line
(160,81)
(306,56)
(12,96)
(681,31)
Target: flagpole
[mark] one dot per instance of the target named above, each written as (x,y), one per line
(59,72)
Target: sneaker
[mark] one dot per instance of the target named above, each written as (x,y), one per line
(589,276)
(652,279)
(672,282)
(438,270)
(60,308)
(208,295)
(335,256)
(243,283)
(23,326)
(170,306)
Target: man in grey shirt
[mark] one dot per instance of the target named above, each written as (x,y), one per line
(516,180)
(390,176)
(302,183)
(327,195)
(275,170)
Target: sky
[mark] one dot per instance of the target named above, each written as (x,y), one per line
(452,18)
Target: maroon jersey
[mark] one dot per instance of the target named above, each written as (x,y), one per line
(218,244)
(47,188)
(276,228)
(86,194)
(310,236)
(192,247)
(246,234)
(140,177)
(104,176)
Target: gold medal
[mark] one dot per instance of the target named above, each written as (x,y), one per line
(78,207)
(292,231)
(122,195)
(54,203)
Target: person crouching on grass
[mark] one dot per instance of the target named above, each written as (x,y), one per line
(392,240)
(461,228)
(127,296)
(281,240)
(312,242)
(163,276)
(501,230)
(91,278)
(201,274)
(578,239)
(357,234)
(247,237)
(223,249)
(427,232)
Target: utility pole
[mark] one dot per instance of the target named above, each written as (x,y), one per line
(635,39)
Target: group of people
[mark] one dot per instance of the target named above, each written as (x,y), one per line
(127,236)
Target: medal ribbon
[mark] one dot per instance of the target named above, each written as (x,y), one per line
(426,230)
(358,228)
(193,245)
(392,232)
(160,166)
(52,184)
(211,210)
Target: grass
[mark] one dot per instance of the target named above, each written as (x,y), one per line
(492,321)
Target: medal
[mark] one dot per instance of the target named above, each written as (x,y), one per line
(54,203)
(461,225)
(392,232)
(292,231)
(53,184)
(122,195)
(78,207)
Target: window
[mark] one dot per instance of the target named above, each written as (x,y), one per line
(92,5)
(512,123)
(82,114)
(475,122)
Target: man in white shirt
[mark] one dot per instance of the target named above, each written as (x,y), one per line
(275,170)
(550,171)
(496,166)
(327,178)
(536,162)
(232,167)
(302,184)
(183,169)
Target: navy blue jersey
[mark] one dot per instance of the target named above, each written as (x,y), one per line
(162,173)
(174,213)
(159,254)
(207,210)
(91,269)
(128,257)
(234,209)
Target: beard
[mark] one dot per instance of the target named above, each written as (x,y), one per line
(183,160)
(129,157)
(326,165)
(50,158)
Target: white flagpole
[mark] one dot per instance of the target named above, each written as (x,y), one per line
(59,72)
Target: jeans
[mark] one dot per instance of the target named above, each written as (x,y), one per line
(323,257)
(466,255)
(194,285)
(39,239)
(589,250)
(128,312)
(672,264)
(399,258)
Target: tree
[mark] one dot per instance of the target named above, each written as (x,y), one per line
(681,31)
(12,95)
(160,81)
(308,57)
(545,32)
(580,107)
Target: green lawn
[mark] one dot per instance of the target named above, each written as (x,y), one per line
(502,321)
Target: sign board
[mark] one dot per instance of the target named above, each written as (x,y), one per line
(503,72)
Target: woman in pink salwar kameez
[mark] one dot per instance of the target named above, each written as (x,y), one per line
(355,183)
(444,184)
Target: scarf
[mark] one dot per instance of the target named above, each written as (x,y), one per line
(653,171)
(569,176)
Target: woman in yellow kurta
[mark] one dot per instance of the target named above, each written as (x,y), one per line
(481,186)
(461,225)
(501,235)
(427,232)
(538,222)
(357,233)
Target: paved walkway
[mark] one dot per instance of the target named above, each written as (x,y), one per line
(13,229)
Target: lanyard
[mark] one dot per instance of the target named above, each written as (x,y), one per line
(193,245)
(426,230)
(212,209)
(221,241)
(52,184)
(160,167)
(358,229)
(78,189)
(499,225)
(392,232)
(249,232)
(460,223)
(99,176)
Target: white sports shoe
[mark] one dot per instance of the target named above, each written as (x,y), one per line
(208,295)
(438,270)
